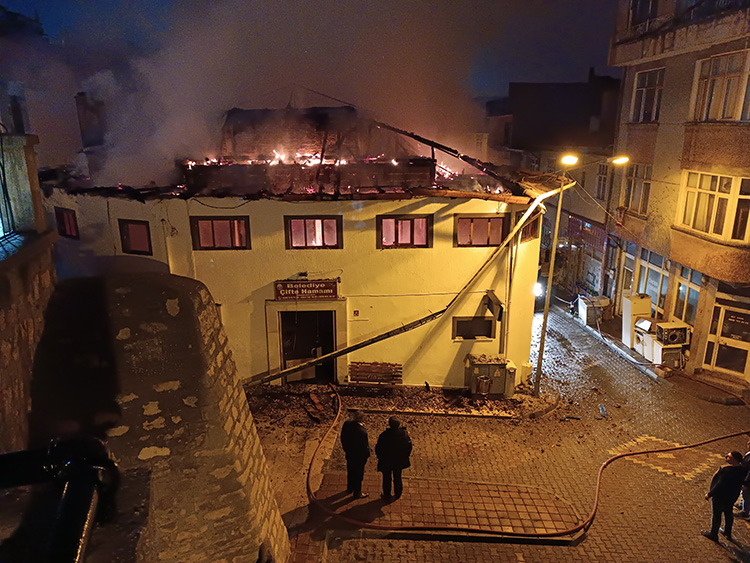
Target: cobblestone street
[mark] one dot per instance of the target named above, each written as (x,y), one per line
(651,507)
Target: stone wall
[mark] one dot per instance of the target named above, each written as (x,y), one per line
(27,280)
(185,420)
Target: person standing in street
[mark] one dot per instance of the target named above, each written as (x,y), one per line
(393,450)
(744,504)
(357,449)
(725,489)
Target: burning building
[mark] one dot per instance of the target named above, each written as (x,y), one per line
(334,250)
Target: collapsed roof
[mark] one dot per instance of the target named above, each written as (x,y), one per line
(323,153)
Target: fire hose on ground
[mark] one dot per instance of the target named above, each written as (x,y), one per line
(583,526)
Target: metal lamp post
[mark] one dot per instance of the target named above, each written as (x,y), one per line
(567,160)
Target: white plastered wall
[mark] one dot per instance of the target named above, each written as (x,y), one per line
(387,288)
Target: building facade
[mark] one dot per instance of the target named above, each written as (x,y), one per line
(299,278)
(684,200)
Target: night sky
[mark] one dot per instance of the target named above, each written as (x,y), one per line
(168,69)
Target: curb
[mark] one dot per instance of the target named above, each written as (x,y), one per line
(531,415)
(547,409)
(623,353)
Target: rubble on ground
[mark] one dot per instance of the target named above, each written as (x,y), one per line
(300,404)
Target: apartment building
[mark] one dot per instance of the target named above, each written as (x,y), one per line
(684,199)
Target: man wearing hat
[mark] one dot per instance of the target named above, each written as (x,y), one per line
(393,450)
(725,488)
(357,449)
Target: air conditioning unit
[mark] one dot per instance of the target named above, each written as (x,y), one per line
(673,333)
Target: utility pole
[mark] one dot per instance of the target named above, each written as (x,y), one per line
(538,375)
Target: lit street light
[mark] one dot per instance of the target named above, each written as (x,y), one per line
(567,160)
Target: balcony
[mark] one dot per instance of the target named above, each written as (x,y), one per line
(710,23)
(719,147)
(726,262)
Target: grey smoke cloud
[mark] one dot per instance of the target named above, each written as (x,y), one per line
(409,63)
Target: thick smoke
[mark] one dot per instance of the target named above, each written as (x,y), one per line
(406,63)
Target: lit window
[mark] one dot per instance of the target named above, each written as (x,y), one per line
(647,96)
(480,231)
(135,237)
(721,93)
(67,225)
(718,206)
(313,232)
(473,328)
(637,188)
(220,233)
(404,231)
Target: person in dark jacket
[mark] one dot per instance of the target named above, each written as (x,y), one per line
(744,503)
(357,449)
(393,450)
(725,488)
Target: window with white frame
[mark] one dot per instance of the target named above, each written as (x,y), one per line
(688,291)
(313,232)
(642,11)
(602,175)
(404,231)
(637,188)
(718,206)
(653,279)
(628,269)
(647,96)
(721,93)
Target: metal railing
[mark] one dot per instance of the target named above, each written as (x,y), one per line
(89,481)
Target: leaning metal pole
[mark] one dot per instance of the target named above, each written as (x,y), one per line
(538,375)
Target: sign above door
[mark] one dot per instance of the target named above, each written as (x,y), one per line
(286,290)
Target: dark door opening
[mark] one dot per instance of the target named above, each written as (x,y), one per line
(306,335)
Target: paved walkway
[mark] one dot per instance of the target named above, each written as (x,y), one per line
(483,507)
(651,507)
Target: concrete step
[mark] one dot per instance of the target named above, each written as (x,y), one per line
(730,383)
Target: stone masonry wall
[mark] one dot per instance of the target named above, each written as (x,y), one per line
(185,419)
(27,280)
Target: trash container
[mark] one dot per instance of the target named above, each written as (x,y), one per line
(484,384)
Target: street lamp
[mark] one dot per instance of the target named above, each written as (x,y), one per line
(568,160)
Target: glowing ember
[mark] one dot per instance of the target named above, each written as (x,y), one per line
(445,172)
